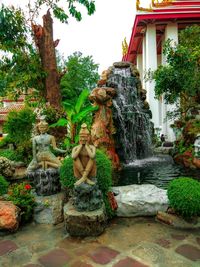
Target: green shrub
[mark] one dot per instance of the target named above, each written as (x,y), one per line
(4,142)
(19,125)
(67,174)
(19,128)
(3,186)
(104,171)
(21,196)
(10,154)
(184,196)
(104,176)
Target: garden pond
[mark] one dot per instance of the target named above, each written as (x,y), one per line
(157,170)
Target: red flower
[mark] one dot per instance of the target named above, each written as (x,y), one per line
(27,186)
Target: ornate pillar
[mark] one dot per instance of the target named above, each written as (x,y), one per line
(151,64)
(144,60)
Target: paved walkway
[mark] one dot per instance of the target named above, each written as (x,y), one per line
(134,242)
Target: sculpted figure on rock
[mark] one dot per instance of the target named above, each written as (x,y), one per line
(84,158)
(42,155)
(103,129)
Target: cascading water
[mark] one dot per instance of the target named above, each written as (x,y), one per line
(131,118)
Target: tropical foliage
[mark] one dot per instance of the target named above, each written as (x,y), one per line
(77,113)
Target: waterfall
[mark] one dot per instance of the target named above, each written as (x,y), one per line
(131,118)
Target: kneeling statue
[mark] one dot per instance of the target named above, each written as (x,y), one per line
(86,194)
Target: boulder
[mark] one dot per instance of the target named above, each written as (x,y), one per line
(49,209)
(87,197)
(46,182)
(85,223)
(140,200)
(9,216)
(6,168)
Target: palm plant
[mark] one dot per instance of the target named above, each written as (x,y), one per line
(77,113)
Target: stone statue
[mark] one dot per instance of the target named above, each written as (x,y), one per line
(84,158)
(42,155)
(103,129)
(44,168)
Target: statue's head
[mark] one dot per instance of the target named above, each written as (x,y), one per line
(43,127)
(84,134)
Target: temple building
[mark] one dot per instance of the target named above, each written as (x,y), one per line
(8,105)
(152,27)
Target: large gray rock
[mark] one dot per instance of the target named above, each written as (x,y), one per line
(49,209)
(85,223)
(140,200)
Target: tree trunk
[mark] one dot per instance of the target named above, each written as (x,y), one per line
(44,41)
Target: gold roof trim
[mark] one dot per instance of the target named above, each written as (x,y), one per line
(154,3)
(161,3)
(139,8)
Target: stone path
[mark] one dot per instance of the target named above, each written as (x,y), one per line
(134,242)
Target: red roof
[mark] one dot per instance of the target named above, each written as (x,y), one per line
(185,13)
(5,110)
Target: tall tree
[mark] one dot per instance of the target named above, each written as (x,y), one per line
(14,24)
(81,73)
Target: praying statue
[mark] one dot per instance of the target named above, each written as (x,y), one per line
(43,158)
(84,158)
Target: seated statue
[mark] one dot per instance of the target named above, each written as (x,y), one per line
(42,155)
(84,158)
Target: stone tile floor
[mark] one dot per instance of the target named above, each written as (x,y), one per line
(134,242)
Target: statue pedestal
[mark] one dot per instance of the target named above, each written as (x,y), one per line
(87,197)
(87,223)
(49,209)
(46,182)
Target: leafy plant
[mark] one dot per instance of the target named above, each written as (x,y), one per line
(10,154)
(19,127)
(178,81)
(104,176)
(3,186)
(4,142)
(77,113)
(21,196)
(67,174)
(184,196)
(22,63)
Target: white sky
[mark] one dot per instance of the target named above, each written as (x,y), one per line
(99,35)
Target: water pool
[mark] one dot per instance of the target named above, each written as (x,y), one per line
(158,170)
